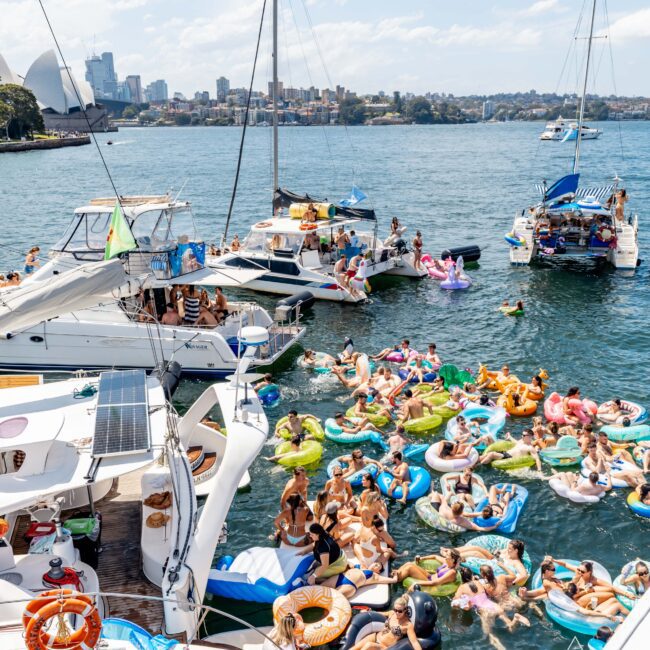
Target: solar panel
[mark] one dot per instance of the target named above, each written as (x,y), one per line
(122,415)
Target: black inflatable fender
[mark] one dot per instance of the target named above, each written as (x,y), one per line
(423,613)
(169,376)
(469,253)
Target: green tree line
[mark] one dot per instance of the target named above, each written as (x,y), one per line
(19,112)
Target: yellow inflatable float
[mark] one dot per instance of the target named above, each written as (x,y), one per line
(310,425)
(515,401)
(323,210)
(336,605)
(494,380)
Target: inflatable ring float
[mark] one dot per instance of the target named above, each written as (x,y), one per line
(633,412)
(52,604)
(310,425)
(269,395)
(493,544)
(307,226)
(637,506)
(509,463)
(334,432)
(435,590)
(431,517)
(514,239)
(628,570)
(356,479)
(434,461)
(372,415)
(425,424)
(633,433)
(336,605)
(521,407)
(263,224)
(418,487)
(310,452)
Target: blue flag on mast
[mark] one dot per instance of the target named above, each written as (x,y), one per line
(356,196)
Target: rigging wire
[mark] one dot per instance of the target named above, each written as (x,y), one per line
(311,81)
(329,80)
(82,104)
(243,133)
(611,59)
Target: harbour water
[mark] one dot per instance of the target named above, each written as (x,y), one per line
(585,325)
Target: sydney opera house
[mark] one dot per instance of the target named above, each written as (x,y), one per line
(61,98)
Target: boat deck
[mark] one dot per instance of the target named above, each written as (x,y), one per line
(119,562)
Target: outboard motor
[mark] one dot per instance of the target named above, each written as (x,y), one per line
(400,245)
(287,308)
(169,375)
(471,253)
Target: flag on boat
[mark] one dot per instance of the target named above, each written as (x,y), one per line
(356,196)
(120,238)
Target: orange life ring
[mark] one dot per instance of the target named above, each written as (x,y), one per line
(395,392)
(263,224)
(307,226)
(50,604)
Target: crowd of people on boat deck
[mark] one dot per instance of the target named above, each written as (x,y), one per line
(187,305)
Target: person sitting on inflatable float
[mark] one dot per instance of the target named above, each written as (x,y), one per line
(398,353)
(623,473)
(507,310)
(379,416)
(445,573)
(312,359)
(577,488)
(457,515)
(349,582)
(306,426)
(297,451)
(523,447)
(401,476)
(570,409)
(495,381)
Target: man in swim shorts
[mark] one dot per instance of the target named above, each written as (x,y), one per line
(523,447)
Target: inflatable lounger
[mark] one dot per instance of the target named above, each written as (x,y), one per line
(259,574)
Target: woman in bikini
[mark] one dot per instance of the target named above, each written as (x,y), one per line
(339,489)
(444,574)
(292,521)
(369,486)
(462,487)
(639,581)
(513,557)
(549,582)
(397,627)
(374,544)
(356,462)
(374,506)
(473,595)
(498,587)
(353,579)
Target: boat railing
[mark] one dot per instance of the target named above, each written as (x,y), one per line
(202,610)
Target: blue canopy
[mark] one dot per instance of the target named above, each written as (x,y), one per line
(566,185)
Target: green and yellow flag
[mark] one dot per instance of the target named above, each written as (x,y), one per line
(120,238)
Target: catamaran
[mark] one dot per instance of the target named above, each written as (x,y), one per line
(80,312)
(281,245)
(573,222)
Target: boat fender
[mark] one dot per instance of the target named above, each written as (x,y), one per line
(169,375)
(303,300)
(469,253)
(361,626)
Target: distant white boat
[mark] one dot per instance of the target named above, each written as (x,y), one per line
(563,130)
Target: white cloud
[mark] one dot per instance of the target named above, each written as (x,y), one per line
(542,7)
(633,26)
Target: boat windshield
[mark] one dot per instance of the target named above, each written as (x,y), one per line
(86,232)
(160,229)
(266,242)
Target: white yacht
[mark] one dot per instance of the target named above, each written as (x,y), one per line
(278,250)
(78,312)
(76,435)
(573,222)
(555,129)
(564,130)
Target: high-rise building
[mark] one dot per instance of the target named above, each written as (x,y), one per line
(281,92)
(100,74)
(157,91)
(202,96)
(135,87)
(488,109)
(223,88)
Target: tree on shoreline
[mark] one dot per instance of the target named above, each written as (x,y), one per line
(352,111)
(419,111)
(25,115)
(5,116)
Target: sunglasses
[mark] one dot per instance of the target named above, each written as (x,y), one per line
(338,474)
(399,611)
(642,573)
(551,569)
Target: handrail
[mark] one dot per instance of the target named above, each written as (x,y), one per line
(160,599)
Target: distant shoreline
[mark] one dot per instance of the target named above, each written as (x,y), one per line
(51,143)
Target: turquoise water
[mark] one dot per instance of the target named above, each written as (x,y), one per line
(584,325)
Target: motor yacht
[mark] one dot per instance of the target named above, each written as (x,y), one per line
(78,312)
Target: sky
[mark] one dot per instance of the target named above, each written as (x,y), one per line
(460,47)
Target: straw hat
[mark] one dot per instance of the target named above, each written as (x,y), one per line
(157,520)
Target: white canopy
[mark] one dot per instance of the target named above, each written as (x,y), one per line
(213,277)
(80,288)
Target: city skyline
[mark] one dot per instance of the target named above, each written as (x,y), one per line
(466,49)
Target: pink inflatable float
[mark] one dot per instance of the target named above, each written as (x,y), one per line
(554,411)
(437,268)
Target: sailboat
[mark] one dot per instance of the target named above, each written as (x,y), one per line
(298,255)
(577,222)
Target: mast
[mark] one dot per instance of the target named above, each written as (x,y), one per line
(576,157)
(275,95)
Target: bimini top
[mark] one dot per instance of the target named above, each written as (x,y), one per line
(284,198)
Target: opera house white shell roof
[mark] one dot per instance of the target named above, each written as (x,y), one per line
(50,84)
